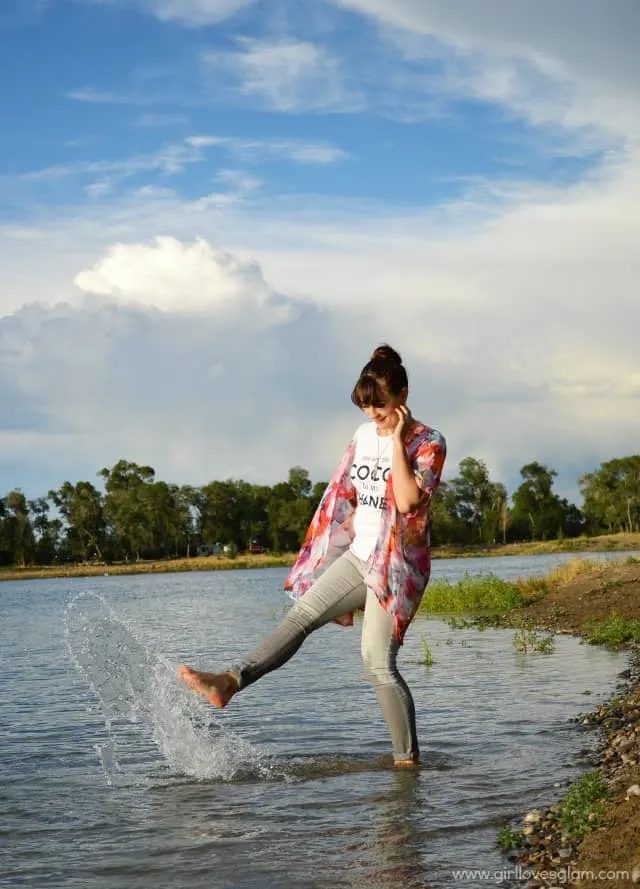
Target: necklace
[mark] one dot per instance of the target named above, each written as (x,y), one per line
(381,454)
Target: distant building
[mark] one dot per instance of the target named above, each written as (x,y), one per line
(210,549)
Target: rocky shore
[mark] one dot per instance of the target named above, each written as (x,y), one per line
(592,835)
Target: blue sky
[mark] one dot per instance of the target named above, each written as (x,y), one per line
(113,83)
(212,210)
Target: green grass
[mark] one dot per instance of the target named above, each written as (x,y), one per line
(526,640)
(601,543)
(471,595)
(459,623)
(612,631)
(427,659)
(582,808)
(509,839)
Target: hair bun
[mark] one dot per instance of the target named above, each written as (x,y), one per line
(386,353)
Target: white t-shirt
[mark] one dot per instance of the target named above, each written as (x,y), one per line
(369,474)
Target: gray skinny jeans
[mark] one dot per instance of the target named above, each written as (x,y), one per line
(339,590)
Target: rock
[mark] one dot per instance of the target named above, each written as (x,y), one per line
(635,874)
(533,816)
(634,790)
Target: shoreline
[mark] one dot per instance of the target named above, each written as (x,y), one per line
(546,856)
(575,545)
(603,805)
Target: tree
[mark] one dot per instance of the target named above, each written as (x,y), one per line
(445,522)
(299,481)
(219,513)
(474,502)
(498,515)
(253,514)
(170,519)
(291,507)
(188,504)
(128,506)
(81,507)
(18,531)
(46,531)
(612,495)
(538,513)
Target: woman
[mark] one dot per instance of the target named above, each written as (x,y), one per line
(367,547)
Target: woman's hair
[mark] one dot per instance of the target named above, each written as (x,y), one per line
(383,377)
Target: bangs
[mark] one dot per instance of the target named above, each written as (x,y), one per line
(369,392)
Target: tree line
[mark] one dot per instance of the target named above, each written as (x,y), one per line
(138,516)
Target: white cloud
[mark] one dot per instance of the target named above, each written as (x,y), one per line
(285,75)
(208,393)
(95,96)
(573,64)
(196,12)
(239,181)
(254,149)
(193,277)
(192,13)
(99,189)
(21,233)
(517,317)
(171,159)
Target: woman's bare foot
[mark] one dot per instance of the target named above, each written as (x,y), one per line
(412,763)
(217,688)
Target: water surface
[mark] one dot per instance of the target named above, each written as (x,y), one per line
(112,775)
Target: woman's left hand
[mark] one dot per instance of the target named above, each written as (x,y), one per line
(404,421)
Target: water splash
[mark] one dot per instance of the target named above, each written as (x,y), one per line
(152,722)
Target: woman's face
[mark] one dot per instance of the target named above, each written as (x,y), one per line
(385,417)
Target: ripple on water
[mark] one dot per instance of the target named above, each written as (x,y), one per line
(120,778)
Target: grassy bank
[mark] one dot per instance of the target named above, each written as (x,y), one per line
(480,595)
(157,566)
(583,544)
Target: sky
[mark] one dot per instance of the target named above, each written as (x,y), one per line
(212,211)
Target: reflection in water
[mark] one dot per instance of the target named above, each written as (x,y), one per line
(389,855)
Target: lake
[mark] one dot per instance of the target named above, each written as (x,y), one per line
(115,777)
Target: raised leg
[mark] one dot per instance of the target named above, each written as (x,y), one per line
(339,591)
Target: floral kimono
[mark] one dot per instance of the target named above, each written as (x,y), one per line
(398,568)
